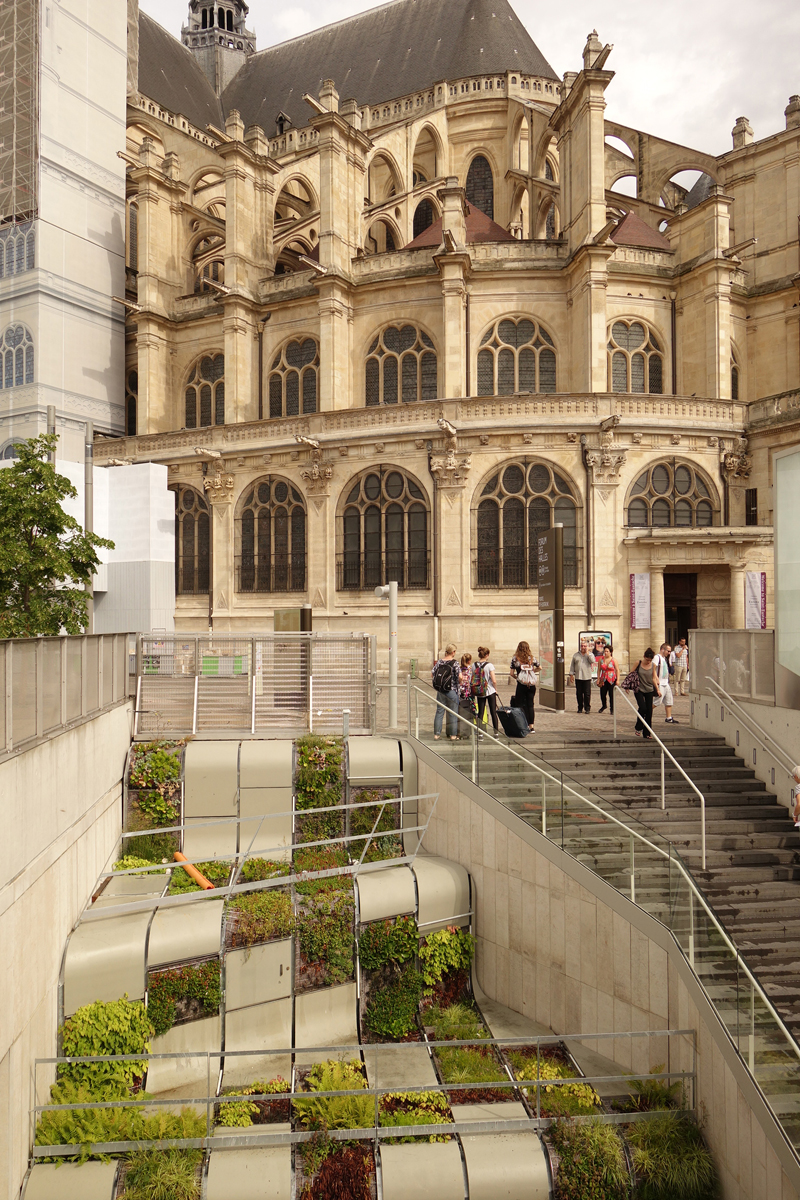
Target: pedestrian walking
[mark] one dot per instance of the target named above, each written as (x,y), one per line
(796,797)
(523,670)
(665,697)
(484,687)
(607,676)
(445,677)
(679,658)
(467,706)
(581,672)
(646,693)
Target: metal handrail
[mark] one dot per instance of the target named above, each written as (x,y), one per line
(737,711)
(695,892)
(664,750)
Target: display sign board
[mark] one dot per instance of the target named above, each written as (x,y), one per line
(551,618)
(755,600)
(594,640)
(640,601)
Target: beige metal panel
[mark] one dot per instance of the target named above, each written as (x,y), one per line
(211,779)
(71,1181)
(326,1017)
(506,1110)
(386,893)
(135,885)
(274,832)
(185,931)
(410,788)
(422,1169)
(399,1067)
(204,842)
(258,974)
(266,764)
(373,758)
(260,1027)
(254,1130)
(105,960)
(189,1074)
(504,1166)
(258,1173)
(443,890)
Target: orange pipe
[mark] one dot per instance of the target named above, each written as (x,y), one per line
(193,872)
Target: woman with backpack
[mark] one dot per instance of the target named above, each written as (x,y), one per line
(523,669)
(607,675)
(484,687)
(445,677)
(467,707)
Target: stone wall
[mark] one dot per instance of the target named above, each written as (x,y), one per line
(60,806)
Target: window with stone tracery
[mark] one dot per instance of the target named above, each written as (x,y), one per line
(271,538)
(294,379)
(131,402)
(384,533)
(516,356)
(401,367)
(519,503)
(424,217)
(205,394)
(734,377)
(671,494)
(192,542)
(17,249)
(480,185)
(16,357)
(635,359)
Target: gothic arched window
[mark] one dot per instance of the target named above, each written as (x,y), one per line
(519,503)
(271,538)
(516,356)
(16,355)
(734,377)
(635,359)
(131,402)
(205,394)
(384,533)
(293,379)
(424,216)
(671,494)
(192,543)
(401,365)
(17,249)
(480,185)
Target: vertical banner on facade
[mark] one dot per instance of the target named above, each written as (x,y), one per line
(640,601)
(755,600)
(551,618)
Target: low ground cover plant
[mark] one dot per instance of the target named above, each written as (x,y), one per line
(216,872)
(392,1011)
(343,1175)
(592,1163)
(163,1175)
(322,858)
(362,821)
(335,1112)
(151,847)
(235,1110)
(261,917)
(256,869)
(416,1108)
(389,846)
(383,942)
(156,767)
(319,771)
(106,1028)
(130,862)
(463,1064)
(325,932)
(556,1099)
(445,951)
(183,993)
(458,1022)
(671,1160)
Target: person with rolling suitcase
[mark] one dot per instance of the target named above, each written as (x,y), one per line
(523,671)
(484,687)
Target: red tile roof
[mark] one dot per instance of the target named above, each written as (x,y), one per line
(480,228)
(632,231)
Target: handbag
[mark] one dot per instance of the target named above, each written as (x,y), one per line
(631,681)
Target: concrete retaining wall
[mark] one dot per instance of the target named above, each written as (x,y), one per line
(783,724)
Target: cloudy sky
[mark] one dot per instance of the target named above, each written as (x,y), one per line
(685,71)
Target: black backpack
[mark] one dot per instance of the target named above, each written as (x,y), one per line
(443,675)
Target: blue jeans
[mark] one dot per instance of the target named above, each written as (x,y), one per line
(448,701)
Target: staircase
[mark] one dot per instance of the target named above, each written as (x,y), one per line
(751,880)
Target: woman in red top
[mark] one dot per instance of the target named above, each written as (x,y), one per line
(607,675)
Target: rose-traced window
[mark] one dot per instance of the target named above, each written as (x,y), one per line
(16,356)
(192,543)
(635,359)
(384,533)
(518,504)
(205,395)
(401,366)
(294,379)
(671,494)
(516,356)
(271,535)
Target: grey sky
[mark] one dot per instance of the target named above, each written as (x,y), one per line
(685,71)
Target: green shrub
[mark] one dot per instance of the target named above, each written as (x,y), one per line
(557,1099)
(154,769)
(256,869)
(592,1164)
(392,1011)
(320,826)
(415,1108)
(216,872)
(163,1175)
(160,811)
(459,1022)
(388,941)
(651,1095)
(322,858)
(263,916)
(167,988)
(447,950)
(671,1159)
(154,847)
(236,1111)
(130,863)
(326,935)
(363,819)
(319,771)
(85,1127)
(113,1027)
(336,1112)
(464,1065)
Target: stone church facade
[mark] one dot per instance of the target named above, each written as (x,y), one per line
(388,318)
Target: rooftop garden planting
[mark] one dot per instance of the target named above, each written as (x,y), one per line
(653,1095)
(325,939)
(183,994)
(385,942)
(154,785)
(236,1110)
(318,779)
(255,869)
(392,1009)
(163,1175)
(259,917)
(362,821)
(322,858)
(457,1022)
(556,1099)
(106,1028)
(131,862)
(591,1162)
(416,1108)
(671,1160)
(151,847)
(216,872)
(444,959)
(345,1174)
(325,1113)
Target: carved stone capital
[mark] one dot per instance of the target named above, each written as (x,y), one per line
(606,464)
(451,469)
(219,487)
(319,475)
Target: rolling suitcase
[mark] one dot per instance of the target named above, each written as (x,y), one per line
(514,722)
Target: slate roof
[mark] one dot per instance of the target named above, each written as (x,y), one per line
(480,228)
(633,231)
(401,47)
(170,75)
(700,191)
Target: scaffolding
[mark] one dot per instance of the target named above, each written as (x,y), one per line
(19,110)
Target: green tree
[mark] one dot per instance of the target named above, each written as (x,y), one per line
(45,556)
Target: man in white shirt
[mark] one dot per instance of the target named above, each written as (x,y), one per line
(661,664)
(679,659)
